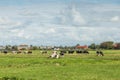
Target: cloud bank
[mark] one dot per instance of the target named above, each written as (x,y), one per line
(59,23)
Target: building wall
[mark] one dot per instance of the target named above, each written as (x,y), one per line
(23,47)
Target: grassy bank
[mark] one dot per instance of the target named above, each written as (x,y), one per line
(70,67)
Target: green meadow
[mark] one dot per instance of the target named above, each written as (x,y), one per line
(38,66)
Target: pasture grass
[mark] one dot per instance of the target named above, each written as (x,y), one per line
(38,66)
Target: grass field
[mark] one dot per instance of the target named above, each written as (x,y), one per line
(37,66)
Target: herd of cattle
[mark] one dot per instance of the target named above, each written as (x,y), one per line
(17,52)
(69,52)
(61,53)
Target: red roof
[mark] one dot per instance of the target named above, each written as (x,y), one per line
(81,47)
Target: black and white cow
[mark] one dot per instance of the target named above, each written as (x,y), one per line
(5,51)
(79,51)
(70,51)
(99,53)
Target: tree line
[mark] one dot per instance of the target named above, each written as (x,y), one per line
(105,45)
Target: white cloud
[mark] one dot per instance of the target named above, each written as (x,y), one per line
(14,30)
(6,21)
(38,25)
(3,20)
(115,19)
(20,33)
(71,16)
(30,13)
(77,17)
(48,31)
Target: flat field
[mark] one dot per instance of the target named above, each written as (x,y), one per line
(38,66)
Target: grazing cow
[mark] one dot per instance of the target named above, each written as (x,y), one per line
(99,53)
(62,53)
(54,55)
(18,52)
(85,51)
(57,56)
(29,52)
(71,52)
(82,51)
(78,51)
(5,51)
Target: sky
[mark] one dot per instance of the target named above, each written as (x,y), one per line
(59,22)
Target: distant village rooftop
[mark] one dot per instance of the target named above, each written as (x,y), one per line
(82,47)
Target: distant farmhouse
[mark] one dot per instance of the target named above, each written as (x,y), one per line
(23,47)
(2,47)
(116,46)
(46,47)
(82,47)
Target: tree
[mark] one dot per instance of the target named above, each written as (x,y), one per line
(31,47)
(78,45)
(97,46)
(14,47)
(92,46)
(8,47)
(107,45)
(34,47)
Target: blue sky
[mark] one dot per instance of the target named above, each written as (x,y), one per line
(59,22)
